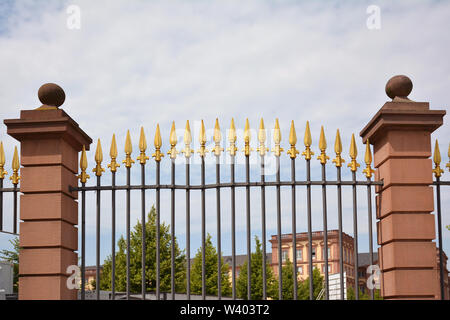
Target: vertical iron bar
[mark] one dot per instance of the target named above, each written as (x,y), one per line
(280,257)
(128,233)
(441,262)
(97,241)
(158,223)
(233,228)
(325,231)
(83,242)
(294,228)
(15,209)
(113,237)
(355,240)
(341,249)
(308,208)
(369,206)
(188,230)
(203,229)
(1,205)
(249,250)
(172,227)
(219,247)
(263,222)
(144,237)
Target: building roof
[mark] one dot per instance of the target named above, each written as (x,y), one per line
(364,259)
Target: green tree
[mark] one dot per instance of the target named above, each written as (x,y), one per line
(303,289)
(287,277)
(150,255)
(211,266)
(362,295)
(13,257)
(256,280)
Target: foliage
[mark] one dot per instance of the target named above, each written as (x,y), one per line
(13,257)
(211,271)
(362,295)
(303,288)
(150,257)
(256,280)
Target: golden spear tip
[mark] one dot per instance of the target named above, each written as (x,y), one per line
(113,149)
(353,149)
(99,152)
(187,134)
(142,141)
(338,143)
(322,140)
(217,134)
(15,162)
(173,135)
(202,135)
(292,135)
(158,140)
(232,133)
(261,124)
(437,154)
(307,139)
(128,146)
(2,154)
(247,131)
(368,155)
(277,132)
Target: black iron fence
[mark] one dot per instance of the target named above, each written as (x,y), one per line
(234,186)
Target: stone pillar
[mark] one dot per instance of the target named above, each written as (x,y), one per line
(50,141)
(401,136)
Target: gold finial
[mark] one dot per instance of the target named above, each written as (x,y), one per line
(353,165)
(232,138)
(448,164)
(338,149)
(217,139)
(158,143)
(15,166)
(83,166)
(437,161)
(2,162)
(368,160)
(98,159)
(142,147)
(173,142)
(322,146)
(307,140)
(247,136)
(113,154)
(262,149)
(128,150)
(202,139)
(187,141)
(277,139)
(292,141)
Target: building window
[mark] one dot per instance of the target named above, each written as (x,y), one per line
(284,255)
(300,270)
(299,254)
(313,253)
(323,253)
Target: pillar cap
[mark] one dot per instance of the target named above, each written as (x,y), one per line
(399,86)
(51,95)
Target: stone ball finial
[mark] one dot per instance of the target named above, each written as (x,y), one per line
(399,86)
(51,94)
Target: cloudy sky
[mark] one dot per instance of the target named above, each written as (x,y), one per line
(139,63)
